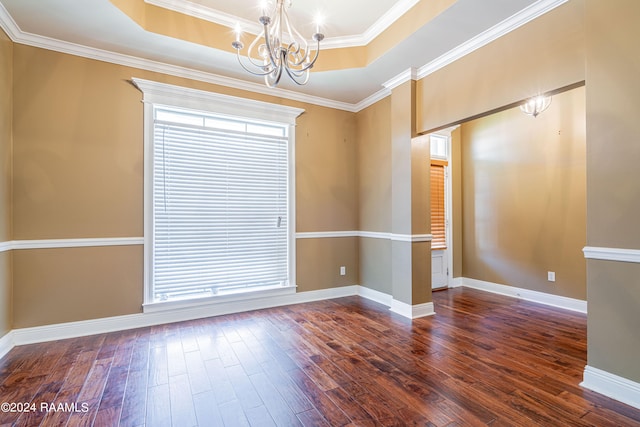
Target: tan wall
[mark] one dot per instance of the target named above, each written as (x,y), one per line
(6,296)
(78,173)
(319,262)
(326,170)
(455,169)
(374,165)
(543,55)
(6,114)
(524,207)
(326,197)
(71,284)
(613,194)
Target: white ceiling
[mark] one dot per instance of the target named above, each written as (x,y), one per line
(96,28)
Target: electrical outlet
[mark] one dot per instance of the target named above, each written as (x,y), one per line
(551,276)
(343,270)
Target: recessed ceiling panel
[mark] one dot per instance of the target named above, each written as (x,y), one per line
(342,18)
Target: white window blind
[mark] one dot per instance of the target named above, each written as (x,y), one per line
(219,204)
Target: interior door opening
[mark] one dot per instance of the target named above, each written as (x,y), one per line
(440,211)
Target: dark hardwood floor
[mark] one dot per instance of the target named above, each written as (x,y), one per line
(483,359)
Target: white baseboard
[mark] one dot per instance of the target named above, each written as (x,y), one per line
(6,343)
(60,331)
(373,295)
(139,320)
(611,385)
(456,282)
(412,311)
(526,294)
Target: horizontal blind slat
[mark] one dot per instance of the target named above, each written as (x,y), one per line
(220,206)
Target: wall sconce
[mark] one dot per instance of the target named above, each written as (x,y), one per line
(536,105)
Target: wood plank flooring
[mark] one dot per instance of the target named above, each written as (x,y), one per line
(482,360)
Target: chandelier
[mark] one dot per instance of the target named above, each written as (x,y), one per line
(536,105)
(279,47)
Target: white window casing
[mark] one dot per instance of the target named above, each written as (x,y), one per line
(219,185)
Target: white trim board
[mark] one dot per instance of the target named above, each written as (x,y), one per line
(325,234)
(6,344)
(412,311)
(70,243)
(612,254)
(525,294)
(376,296)
(414,238)
(139,320)
(611,385)
(128,241)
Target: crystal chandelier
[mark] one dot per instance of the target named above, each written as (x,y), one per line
(279,47)
(536,105)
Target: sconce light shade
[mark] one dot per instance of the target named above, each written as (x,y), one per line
(536,105)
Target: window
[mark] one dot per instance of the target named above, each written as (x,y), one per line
(438,213)
(218,211)
(439,164)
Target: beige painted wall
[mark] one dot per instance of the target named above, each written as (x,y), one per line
(319,262)
(524,207)
(66,285)
(6,295)
(543,55)
(613,193)
(457,231)
(374,166)
(78,173)
(6,113)
(326,170)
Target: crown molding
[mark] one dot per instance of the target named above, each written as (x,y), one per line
(200,11)
(521,18)
(370,100)
(187,7)
(8,24)
(403,77)
(21,37)
(526,15)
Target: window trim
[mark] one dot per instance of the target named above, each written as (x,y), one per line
(161,94)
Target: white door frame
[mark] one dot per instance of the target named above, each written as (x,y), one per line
(448,200)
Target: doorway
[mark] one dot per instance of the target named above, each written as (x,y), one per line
(440,210)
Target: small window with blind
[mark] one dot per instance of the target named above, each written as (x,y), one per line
(438,192)
(217,198)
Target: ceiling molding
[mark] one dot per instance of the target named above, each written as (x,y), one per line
(385,21)
(205,13)
(403,77)
(370,100)
(516,21)
(18,36)
(199,11)
(526,15)
(8,24)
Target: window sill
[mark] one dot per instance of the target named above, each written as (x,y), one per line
(217,300)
